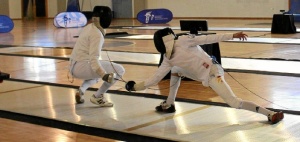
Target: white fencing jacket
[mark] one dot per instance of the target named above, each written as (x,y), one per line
(88,48)
(188,55)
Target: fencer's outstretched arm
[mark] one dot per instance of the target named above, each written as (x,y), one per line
(162,71)
(191,41)
(240,35)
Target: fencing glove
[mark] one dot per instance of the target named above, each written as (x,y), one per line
(109,77)
(132,86)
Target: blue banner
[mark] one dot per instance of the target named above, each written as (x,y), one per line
(155,16)
(70,20)
(73,6)
(295,9)
(6,24)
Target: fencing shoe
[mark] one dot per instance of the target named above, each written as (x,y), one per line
(109,77)
(100,101)
(164,107)
(79,97)
(276,117)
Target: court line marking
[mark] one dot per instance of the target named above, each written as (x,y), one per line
(166,118)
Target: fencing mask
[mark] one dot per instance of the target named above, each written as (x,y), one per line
(164,41)
(104,14)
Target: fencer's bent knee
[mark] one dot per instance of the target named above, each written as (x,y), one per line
(119,69)
(175,72)
(216,70)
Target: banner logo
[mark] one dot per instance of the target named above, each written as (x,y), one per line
(155,16)
(70,20)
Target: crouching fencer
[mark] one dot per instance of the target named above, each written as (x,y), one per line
(184,57)
(85,63)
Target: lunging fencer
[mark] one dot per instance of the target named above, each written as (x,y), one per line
(84,59)
(184,57)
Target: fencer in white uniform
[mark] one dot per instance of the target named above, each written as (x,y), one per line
(85,63)
(184,57)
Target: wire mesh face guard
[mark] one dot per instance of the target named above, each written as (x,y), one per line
(158,39)
(105,15)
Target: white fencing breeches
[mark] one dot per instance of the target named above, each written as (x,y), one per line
(221,88)
(82,70)
(219,85)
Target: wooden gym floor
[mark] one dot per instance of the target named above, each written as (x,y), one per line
(35,54)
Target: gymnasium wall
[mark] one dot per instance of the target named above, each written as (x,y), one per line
(221,8)
(15,9)
(3,8)
(88,5)
(180,8)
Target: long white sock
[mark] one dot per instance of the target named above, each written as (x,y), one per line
(255,108)
(110,67)
(87,83)
(103,89)
(224,91)
(174,85)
